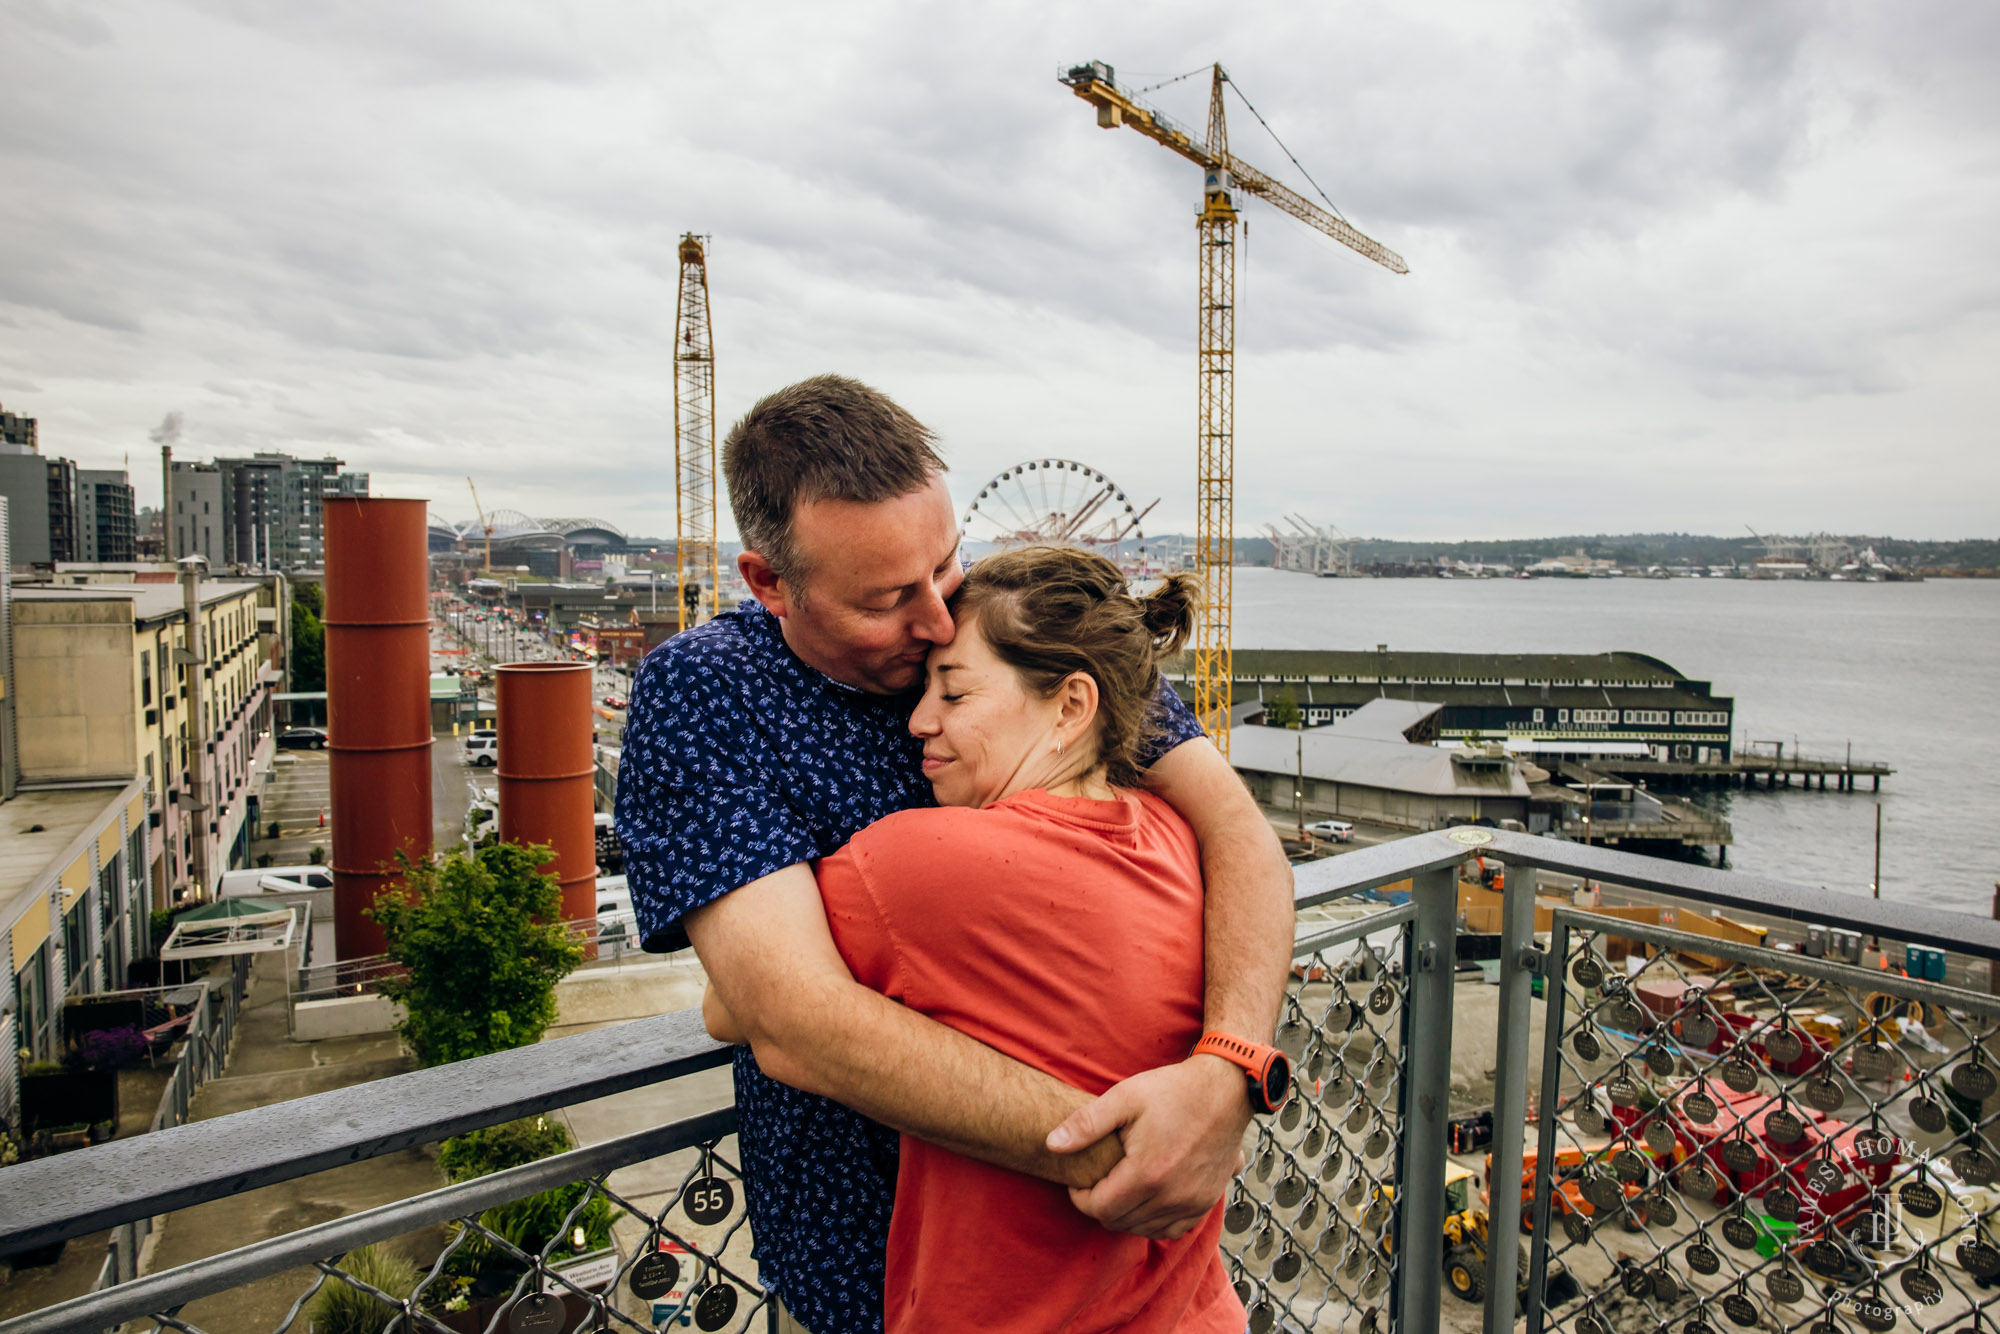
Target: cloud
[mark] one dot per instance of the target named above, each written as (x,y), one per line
(441,241)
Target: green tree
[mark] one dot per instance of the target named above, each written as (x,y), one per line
(1283,710)
(312,597)
(308,648)
(482,945)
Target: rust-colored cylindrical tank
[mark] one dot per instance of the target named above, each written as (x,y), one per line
(378,703)
(547,764)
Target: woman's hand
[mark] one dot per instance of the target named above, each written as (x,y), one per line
(715,1017)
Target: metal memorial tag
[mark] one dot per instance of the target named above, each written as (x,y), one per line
(1781,1204)
(1783,1046)
(1739,1232)
(1589,1120)
(1703,1258)
(1979,1259)
(536,1313)
(1928,1114)
(1586,971)
(1921,1198)
(1585,1044)
(655,1274)
(1636,1282)
(1604,1193)
(1921,1285)
(1739,1072)
(1666,1285)
(1975,1165)
(1872,1313)
(1660,1137)
(1661,1210)
(709,1200)
(1874,1061)
(1623,1090)
(1314,1141)
(1698,1030)
(1236,1218)
(715,1308)
(1294,1111)
(1784,1286)
(1381,998)
(1824,1095)
(1332,1239)
(1699,1182)
(1291,1188)
(1659,1060)
(1784,1127)
(1577,1228)
(1630,1165)
(1700,1108)
(1826,1259)
(1286,1267)
(1739,1155)
(1292,1037)
(1376,1144)
(1824,1177)
(1740,1309)
(1973,1081)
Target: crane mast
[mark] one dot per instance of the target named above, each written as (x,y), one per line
(1223,174)
(697,563)
(484,523)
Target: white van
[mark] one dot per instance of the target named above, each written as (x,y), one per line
(482,750)
(1338,830)
(274,880)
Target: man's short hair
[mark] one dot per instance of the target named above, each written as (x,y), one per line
(827,438)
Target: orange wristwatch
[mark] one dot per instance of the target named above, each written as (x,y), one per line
(1268,1069)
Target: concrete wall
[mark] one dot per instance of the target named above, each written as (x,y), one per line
(77,693)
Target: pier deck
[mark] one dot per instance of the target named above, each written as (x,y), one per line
(1756,769)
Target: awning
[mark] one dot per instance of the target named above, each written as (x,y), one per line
(230,926)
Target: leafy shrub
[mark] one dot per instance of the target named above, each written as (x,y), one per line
(339,1308)
(529,1224)
(482,945)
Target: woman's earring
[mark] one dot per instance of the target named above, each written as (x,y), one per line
(1058,745)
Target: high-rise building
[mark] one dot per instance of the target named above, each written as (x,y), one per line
(262,511)
(107,516)
(195,514)
(17,430)
(9,761)
(41,493)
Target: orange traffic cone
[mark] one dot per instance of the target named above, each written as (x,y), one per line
(322,817)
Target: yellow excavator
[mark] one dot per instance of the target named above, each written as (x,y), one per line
(1466,1263)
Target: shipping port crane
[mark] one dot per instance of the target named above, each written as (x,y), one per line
(484,523)
(1223,175)
(697,561)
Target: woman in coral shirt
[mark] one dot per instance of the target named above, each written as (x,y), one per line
(1051,909)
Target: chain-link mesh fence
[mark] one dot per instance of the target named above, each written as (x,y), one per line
(1746,1137)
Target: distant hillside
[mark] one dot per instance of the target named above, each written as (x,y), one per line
(1968,556)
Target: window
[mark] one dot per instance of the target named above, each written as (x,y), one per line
(1594,715)
(1562,715)
(1649,717)
(145,679)
(1702,718)
(1538,715)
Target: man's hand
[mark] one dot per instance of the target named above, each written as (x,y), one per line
(1182,1128)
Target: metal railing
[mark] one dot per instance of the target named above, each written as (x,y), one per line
(1734,1133)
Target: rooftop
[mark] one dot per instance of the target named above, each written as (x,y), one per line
(1365,761)
(1472,668)
(42,831)
(150,602)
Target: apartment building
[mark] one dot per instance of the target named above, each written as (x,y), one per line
(261,512)
(102,675)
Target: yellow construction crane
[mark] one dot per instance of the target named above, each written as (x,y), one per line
(697,564)
(1223,175)
(484,523)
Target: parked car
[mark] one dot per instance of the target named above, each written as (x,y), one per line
(1338,830)
(274,880)
(302,738)
(616,702)
(482,750)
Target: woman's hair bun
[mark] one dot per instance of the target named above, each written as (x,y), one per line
(1168,612)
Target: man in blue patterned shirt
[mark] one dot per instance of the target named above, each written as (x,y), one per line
(767,738)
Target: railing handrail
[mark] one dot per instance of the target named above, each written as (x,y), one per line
(129,1179)
(107,1307)
(54,1199)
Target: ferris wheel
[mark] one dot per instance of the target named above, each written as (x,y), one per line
(1063,502)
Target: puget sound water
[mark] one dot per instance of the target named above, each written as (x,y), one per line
(1908,673)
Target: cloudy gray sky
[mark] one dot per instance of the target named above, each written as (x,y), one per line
(1673,265)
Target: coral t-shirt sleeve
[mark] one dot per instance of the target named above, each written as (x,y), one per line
(860,930)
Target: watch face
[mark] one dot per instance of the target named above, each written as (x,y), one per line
(1277,1081)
